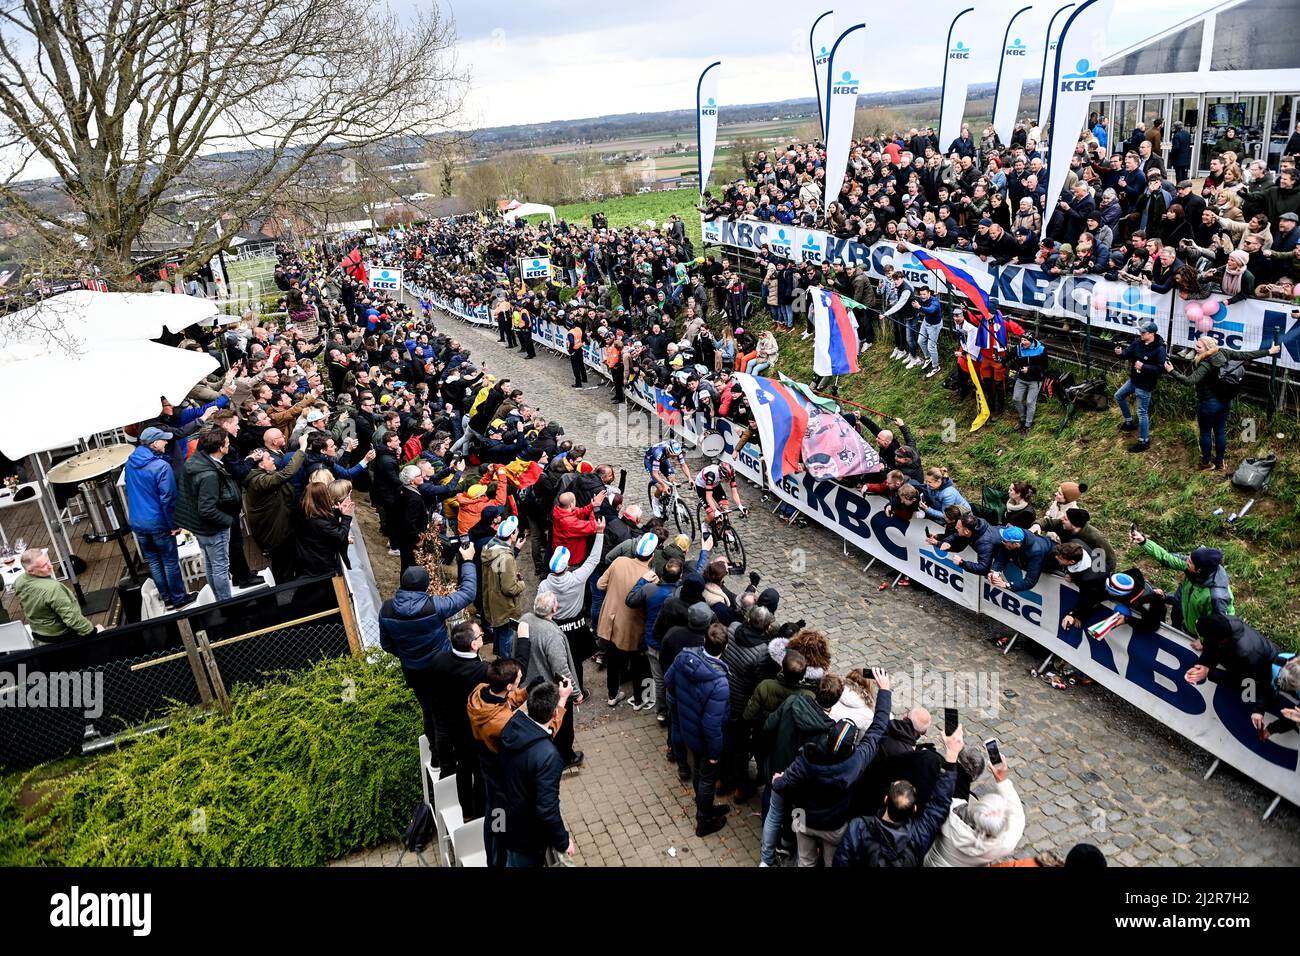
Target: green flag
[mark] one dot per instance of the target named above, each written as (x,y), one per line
(821,401)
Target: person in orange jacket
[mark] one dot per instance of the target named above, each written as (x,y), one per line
(470,503)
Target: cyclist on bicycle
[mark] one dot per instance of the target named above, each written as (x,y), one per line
(709,485)
(659,460)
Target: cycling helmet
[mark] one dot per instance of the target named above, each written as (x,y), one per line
(675,447)
(726,471)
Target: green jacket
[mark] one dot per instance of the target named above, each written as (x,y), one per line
(207,496)
(1200,375)
(49,607)
(503,592)
(271,504)
(1195,600)
(768,696)
(1088,536)
(797,721)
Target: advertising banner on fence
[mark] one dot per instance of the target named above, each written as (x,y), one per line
(1144,668)
(1247,325)
(1116,306)
(386,279)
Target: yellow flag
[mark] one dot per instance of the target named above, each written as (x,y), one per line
(982,402)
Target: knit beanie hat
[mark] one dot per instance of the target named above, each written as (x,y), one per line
(1072,490)
(1078,516)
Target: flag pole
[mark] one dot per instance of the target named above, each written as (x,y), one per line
(1272,375)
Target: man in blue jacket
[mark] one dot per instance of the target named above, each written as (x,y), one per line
(1024,549)
(529,770)
(1147,355)
(900,836)
(413,626)
(151,501)
(820,780)
(976,533)
(699,696)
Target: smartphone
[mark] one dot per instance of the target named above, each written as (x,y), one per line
(950,721)
(995,755)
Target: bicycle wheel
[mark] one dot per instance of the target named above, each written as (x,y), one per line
(682,518)
(733,548)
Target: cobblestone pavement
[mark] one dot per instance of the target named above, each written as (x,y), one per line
(1088,766)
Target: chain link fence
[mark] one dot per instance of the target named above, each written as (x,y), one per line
(61,700)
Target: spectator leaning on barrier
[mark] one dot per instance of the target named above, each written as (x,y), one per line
(1204,588)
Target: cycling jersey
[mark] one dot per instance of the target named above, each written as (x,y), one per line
(710,477)
(660,457)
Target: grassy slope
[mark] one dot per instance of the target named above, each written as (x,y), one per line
(1161,491)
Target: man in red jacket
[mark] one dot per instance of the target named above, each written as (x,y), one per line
(572,527)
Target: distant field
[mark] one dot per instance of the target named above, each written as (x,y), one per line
(629,210)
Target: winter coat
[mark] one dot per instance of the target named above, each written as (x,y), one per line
(620,624)
(549,654)
(1152,358)
(1033,552)
(322,544)
(958,844)
(209,500)
(650,596)
(796,722)
(573,529)
(696,685)
(768,696)
(270,503)
(1205,374)
(489,714)
(943,496)
(503,592)
(150,491)
(1197,599)
(1244,654)
(820,784)
(874,841)
(744,656)
(413,624)
(852,707)
(984,540)
(529,771)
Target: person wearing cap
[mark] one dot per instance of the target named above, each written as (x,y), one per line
(1075,525)
(1027,551)
(820,780)
(1030,363)
(1133,597)
(569,585)
(151,505)
(1204,588)
(623,626)
(699,698)
(1147,356)
(503,585)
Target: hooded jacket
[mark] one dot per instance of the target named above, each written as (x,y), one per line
(503,591)
(209,499)
(696,685)
(413,624)
(570,588)
(1151,356)
(150,491)
(937,499)
(651,596)
(1198,596)
(875,841)
(796,722)
(819,781)
(1245,653)
(573,529)
(529,771)
(984,540)
(744,655)
(489,714)
(1029,558)
(959,844)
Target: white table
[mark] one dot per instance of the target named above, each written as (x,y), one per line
(38,499)
(10,573)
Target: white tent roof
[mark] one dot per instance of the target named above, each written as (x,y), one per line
(529,209)
(75,322)
(57,399)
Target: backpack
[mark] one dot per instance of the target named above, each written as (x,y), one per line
(1254,474)
(876,857)
(420,830)
(1229,381)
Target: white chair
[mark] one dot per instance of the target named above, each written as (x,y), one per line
(467,840)
(14,636)
(447,814)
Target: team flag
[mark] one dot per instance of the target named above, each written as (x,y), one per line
(982,415)
(807,397)
(833,449)
(782,423)
(959,279)
(835,346)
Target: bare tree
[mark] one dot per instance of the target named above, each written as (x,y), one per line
(200,111)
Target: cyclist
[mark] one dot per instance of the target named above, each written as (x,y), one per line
(709,486)
(659,460)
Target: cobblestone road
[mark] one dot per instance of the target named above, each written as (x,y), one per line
(1087,765)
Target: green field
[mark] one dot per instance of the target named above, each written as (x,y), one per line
(1160,491)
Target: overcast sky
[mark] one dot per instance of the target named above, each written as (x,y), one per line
(556,59)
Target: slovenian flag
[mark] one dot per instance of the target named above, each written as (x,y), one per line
(959,279)
(835,345)
(665,408)
(782,422)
